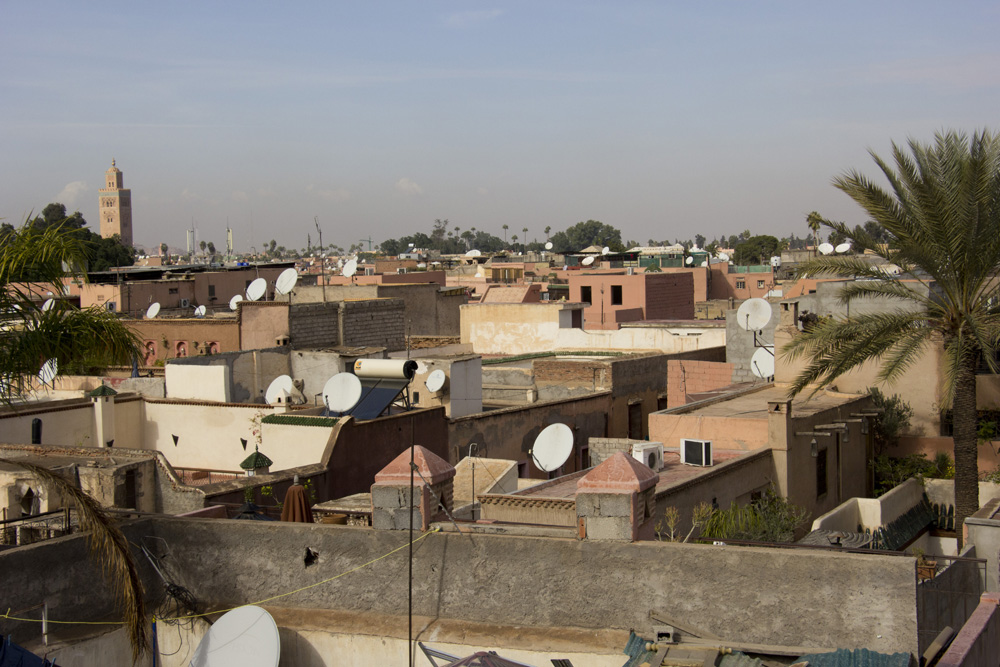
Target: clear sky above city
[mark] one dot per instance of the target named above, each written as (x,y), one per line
(663,119)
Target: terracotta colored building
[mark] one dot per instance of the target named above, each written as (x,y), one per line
(615,298)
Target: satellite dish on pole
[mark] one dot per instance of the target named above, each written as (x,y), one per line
(350,268)
(245,637)
(200,311)
(548,245)
(342,392)
(48,305)
(825,248)
(49,371)
(842,248)
(153,310)
(280,387)
(762,362)
(435,381)
(234,302)
(587,261)
(552,447)
(256,289)
(753,314)
(689,260)
(286,281)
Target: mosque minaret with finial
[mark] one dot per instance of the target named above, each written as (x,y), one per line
(115,205)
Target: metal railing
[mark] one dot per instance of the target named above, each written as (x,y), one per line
(36,527)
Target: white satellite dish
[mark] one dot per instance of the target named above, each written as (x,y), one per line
(605,250)
(286,281)
(153,310)
(421,265)
(705,263)
(342,392)
(689,261)
(474,253)
(587,261)
(762,362)
(200,311)
(49,371)
(234,302)
(753,314)
(280,386)
(350,268)
(825,248)
(842,248)
(256,289)
(548,245)
(48,305)
(552,447)
(435,380)
(724,257)
(246,636)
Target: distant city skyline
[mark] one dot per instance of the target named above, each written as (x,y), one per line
(663,120)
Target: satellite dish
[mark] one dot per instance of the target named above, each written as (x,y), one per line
(753,314)
(234,302)
(153,310)
(689,261)
(825,248)
(342,392)
(246,636)
(200,311)
(587,261)
(474,253)
(48,305)
(279,387)
(705,263)
(552,447)
(49,371)
(435,380)
(842,248)
(605,250)
(548,245)
(350,268)
(724,257)
(286,281)
(256,289)
(762,362)
(421,265)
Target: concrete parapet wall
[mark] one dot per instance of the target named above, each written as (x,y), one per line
(978,642)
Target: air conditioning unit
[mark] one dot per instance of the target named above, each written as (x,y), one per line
(110,305)
(649,454)
(185,303)
(696,452)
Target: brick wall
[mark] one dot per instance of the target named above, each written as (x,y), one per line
(670,296)
(593,375)
(691,377)
(602,448)
(314,325)
(374,323)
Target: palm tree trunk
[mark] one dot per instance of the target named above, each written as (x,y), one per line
(965,421)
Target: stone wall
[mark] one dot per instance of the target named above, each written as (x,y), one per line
(374,323)
(602,448)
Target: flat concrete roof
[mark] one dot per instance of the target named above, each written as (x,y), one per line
(753,404)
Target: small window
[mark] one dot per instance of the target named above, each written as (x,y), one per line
(760,284)
(172,290)
(211,291)
(741,284)
(821,473)
(585,295)
(616,295)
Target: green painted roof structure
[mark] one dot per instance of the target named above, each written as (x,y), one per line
(256,460)
(103,390)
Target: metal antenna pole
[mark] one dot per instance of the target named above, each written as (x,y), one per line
(409,643)
(322,258)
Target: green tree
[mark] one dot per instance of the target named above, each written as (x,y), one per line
(203,245)
(584,234)
(79,339)
(814,220)
(756,250)
(211,248)
(505,228)
(943,211)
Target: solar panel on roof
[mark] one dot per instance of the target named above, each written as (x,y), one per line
(376,396)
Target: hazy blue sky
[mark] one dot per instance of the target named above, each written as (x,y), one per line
(663,119)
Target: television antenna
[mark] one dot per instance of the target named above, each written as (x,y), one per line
(435,381)
(244,637)
(286,281)
(552,447)
(762,362)
(342,392)
(587,261)
(49,371)
(235,302)
(279,387)
(153,310)
(200,311)
(825,248)
(256,289)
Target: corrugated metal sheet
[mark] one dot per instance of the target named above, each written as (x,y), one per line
(859,657)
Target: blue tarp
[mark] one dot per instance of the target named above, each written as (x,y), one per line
(12,655)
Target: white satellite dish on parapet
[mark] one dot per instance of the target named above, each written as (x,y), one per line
(279,389)
(689,261)
(350,268)
(286,281)
(474,253)
(48,305)
(49,371)
(753,314)
(724,257)
(548,245)
(825,248)
(435,381)
(235,301)
(244,637)
(705,263)
(153,310)
(762,362)
(200,311)
(256,289)
(842,248)
(587,261)
(605,250)
(342,392)
(552,447)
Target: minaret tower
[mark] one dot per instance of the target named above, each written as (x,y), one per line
(115,205)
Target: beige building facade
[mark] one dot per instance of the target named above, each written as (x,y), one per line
(115,205)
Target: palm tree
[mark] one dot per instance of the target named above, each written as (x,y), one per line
(29,334)
(814,220)
(943,214)
(547,229)
(505,228)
